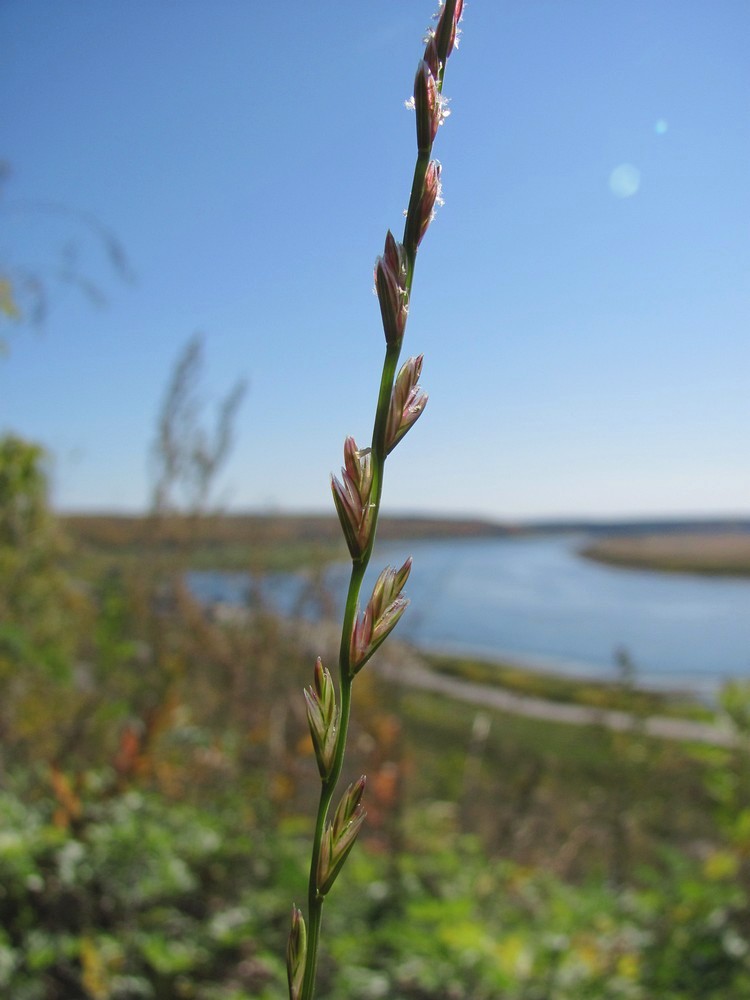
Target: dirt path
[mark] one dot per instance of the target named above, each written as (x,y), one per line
(662,727)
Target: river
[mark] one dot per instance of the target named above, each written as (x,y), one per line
(534,600)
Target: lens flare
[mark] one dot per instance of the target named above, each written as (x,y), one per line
(625,180)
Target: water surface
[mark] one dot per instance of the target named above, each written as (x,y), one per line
(533,599)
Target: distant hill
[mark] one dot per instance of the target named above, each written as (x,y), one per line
(241,541)
(124,530)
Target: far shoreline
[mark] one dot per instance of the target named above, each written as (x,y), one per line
(706,554)
(262,542)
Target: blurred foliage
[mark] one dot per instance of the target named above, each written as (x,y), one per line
(157,789)
(34,594)
(150,899)
(39,602)
(186,455)
(29,292)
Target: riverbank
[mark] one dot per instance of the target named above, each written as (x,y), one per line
(495,696)
(708,554)
(508,688)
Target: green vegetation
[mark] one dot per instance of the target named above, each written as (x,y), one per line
(158,779)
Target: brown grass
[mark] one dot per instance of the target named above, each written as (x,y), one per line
(243,541)
(720,554)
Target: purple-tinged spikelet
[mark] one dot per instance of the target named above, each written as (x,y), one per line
(339,836)
(380,617)
(351,497)
(430,198)
(390,286)
(296,953)
(431,55)
(322,717)
(427,106)
(447,30)
(407,402)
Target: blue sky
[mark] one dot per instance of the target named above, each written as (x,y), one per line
(582,298)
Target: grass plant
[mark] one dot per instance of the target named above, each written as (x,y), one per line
(357,500)
(155,770)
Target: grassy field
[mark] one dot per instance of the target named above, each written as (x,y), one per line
(715,554)
(547,793)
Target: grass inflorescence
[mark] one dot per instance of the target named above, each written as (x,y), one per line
(357,497)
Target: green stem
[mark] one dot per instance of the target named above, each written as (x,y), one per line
(359,567)
(314,899)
